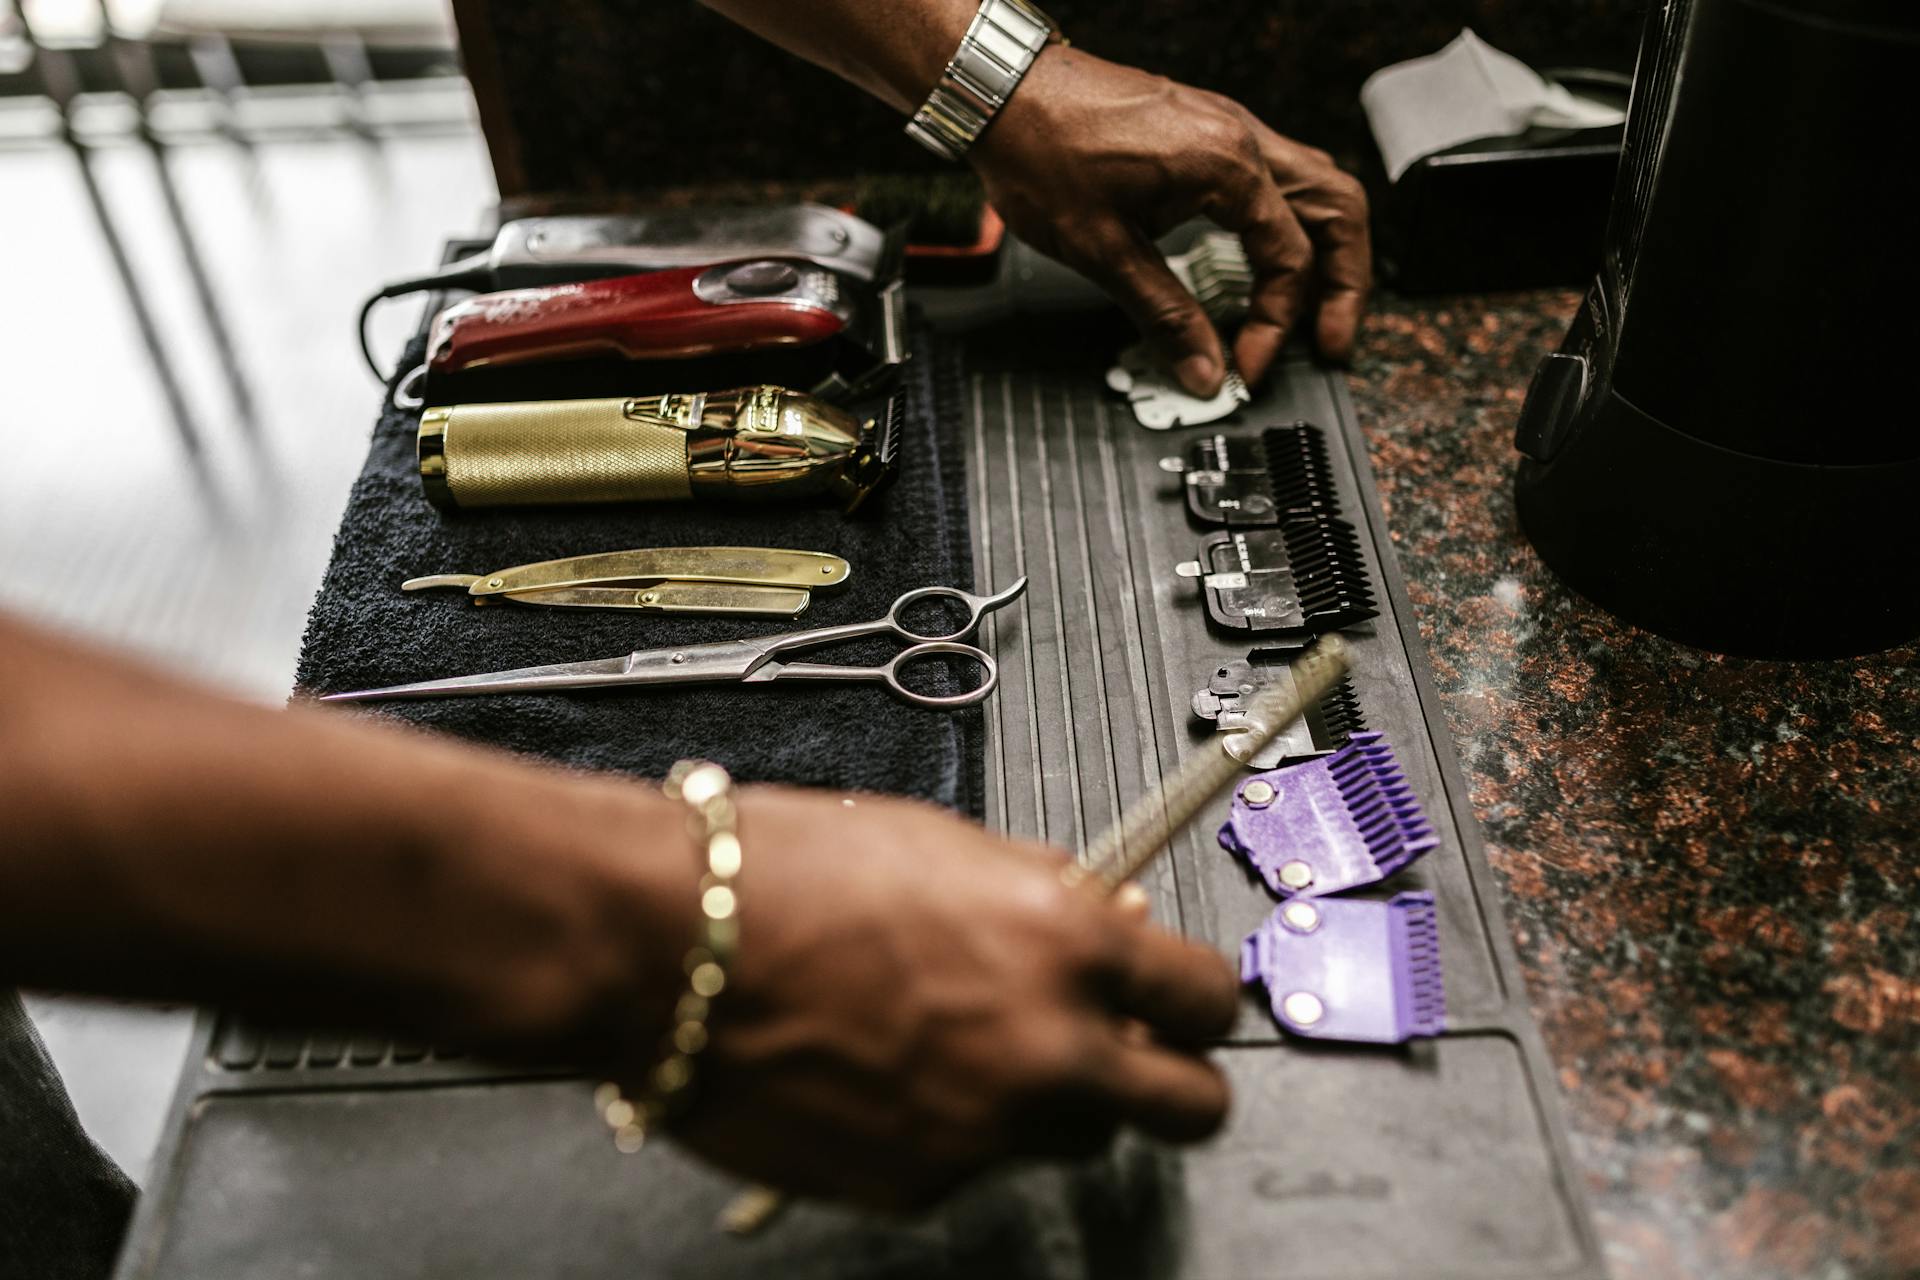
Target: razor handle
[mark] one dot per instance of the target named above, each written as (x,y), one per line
(665,315)
(755,442)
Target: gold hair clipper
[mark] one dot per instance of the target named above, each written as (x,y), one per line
(754,442)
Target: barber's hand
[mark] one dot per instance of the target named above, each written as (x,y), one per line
(916,1000)
(1089,161)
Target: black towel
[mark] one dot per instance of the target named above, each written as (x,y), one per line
(364,631)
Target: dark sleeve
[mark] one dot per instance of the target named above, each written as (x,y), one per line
(63,1204)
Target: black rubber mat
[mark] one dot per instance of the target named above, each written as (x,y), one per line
(1445,1158)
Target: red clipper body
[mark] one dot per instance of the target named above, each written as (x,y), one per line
(664,315)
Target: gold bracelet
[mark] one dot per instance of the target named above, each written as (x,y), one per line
(707,791)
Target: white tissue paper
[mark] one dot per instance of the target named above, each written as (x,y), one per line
(1466,91)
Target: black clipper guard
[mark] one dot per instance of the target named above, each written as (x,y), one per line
(1302,578)
(1244,481)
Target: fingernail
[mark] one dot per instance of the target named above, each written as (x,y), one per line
(1199,374)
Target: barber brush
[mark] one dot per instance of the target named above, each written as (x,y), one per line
(1129,847)
(751,443)
(953,236)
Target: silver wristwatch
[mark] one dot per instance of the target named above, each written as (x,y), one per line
(1001,43)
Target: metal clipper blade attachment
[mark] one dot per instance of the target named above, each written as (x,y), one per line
(1229,697)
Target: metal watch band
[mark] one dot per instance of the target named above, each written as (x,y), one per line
(1001,43)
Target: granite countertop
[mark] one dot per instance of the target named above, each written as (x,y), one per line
(1711,865)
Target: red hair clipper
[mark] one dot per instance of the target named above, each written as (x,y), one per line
(845,335)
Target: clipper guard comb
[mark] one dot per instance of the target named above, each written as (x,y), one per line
(1244,482)
(1305,577)
(1328,825)
(1351,969)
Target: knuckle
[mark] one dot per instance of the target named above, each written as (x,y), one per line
(1350,193)
(1170,319)
(1094,247)
(1051,1055)
(1222,134)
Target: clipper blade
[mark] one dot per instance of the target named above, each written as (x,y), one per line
(1225,702)
(880,445)
(1351,969)
(887,442)
(1217,272)
(1327,825)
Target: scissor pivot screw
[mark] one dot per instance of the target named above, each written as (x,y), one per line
(1296,874)
(1258,794)
(496,583)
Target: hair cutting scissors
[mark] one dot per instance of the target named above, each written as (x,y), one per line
(751,661)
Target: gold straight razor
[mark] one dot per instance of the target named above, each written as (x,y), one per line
(767,581)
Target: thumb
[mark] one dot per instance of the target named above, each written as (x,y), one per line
(1167,314)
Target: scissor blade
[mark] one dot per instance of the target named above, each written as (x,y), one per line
(559,675)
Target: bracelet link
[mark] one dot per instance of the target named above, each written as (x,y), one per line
(998,48)
(707,791)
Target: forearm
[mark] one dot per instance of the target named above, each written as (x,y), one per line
(161,841)
(895,51)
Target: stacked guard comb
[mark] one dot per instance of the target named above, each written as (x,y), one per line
(1303,578)
(1235,685)
(1328,825)
(1340,968)
(1244,481)
(1351,968)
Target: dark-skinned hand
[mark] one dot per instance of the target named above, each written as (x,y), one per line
(916,1000)
(1090,161)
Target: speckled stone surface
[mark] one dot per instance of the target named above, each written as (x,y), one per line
(1711,865)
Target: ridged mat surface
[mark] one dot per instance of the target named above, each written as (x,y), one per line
(1443,1159)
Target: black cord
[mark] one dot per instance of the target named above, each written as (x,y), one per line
(366,345)
(473,273)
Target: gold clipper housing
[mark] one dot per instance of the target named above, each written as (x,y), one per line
(754,442)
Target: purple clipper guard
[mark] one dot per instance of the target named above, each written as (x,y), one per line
(1322,826)
(1351,968)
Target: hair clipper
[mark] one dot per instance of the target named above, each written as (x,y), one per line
(531,252)
(753,443)
(763,319)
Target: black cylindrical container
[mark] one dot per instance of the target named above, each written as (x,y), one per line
(1726,448)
